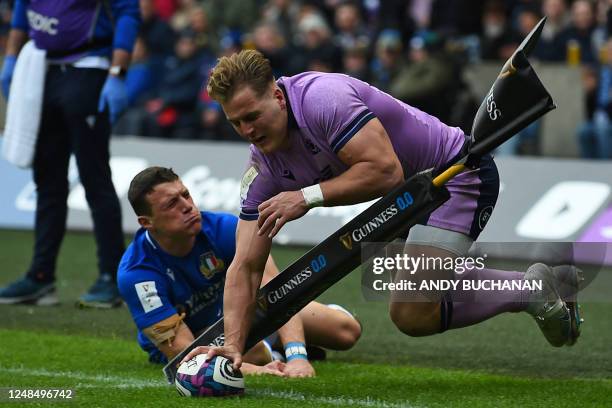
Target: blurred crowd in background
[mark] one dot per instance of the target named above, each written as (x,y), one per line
(413,49)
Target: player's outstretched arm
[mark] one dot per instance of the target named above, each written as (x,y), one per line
(291,335)
(243,278)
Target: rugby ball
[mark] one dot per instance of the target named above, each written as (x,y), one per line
(215,378)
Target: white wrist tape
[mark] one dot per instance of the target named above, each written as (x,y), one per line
(295,350)
(313,196)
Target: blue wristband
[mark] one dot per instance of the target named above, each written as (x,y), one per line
(295,350)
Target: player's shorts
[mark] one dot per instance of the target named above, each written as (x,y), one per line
(473,195)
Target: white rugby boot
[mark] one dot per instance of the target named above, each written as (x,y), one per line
(569,280)
(547,308)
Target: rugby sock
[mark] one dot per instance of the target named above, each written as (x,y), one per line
(474,306)
(446,312)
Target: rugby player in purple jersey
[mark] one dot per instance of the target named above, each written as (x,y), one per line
(324,139)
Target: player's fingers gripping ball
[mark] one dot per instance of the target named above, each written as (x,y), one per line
(215,378)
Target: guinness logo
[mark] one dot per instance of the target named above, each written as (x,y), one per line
(261,301)
(347,241)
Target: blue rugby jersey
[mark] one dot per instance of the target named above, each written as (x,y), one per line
(156,285)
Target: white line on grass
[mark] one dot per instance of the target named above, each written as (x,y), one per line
(340,401)
(109,381)
(114,381)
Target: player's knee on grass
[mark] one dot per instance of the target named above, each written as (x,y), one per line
(416,319)
(347,333)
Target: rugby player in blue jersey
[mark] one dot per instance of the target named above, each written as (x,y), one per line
(173,273)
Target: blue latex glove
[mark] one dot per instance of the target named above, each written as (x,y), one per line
(7,74)
(114,94)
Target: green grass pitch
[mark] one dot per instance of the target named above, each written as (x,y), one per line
(504,362)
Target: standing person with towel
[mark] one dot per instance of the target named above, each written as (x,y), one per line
(86,45)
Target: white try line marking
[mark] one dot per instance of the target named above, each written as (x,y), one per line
(109,381)
(340,401)
(112,381)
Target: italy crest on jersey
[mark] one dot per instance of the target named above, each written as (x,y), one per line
(210,264)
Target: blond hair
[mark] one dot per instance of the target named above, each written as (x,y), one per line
(248,67)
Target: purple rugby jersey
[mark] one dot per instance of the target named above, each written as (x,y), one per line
(326,110)
(62,25)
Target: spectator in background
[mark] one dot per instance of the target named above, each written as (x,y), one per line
(158,36)
(388,59)
(601,30)
(284,14)
(350,30)
(173,113)
(580,31)
(165,8)
(159,39)
(180,20)
(317,52)
(355,63)
(212,122)
(498,40)
(268,40)
(206,38)
(426,81)
(551,46)
(141,86)
(595,135)
(420,13)
(139,80)
(237,15)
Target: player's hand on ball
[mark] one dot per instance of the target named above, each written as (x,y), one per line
(195,352)
(230,352)
(299,368)
(280,209)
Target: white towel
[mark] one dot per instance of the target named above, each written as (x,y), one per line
(24,109)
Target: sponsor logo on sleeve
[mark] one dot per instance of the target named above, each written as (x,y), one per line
(147,294)
(247,180)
